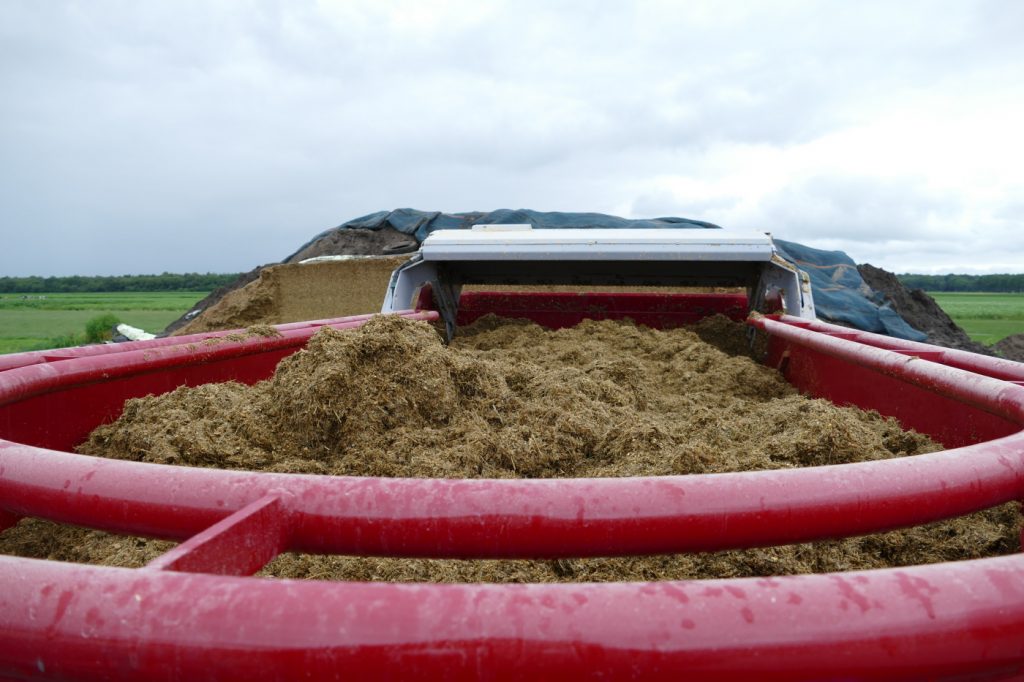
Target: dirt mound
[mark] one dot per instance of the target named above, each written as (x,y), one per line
(1011,348)
(295,292)
(514,400)
(920,311)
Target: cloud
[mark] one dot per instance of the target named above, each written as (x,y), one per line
(858,209)
(169,136)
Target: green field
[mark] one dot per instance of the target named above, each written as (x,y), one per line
(987,318)
(33,321)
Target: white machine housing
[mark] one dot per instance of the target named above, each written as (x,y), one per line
(517,254)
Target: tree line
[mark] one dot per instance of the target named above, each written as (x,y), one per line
(989,283)
(194,281)
(75,284)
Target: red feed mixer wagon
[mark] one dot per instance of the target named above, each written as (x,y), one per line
(196,612)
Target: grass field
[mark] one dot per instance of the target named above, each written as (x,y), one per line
(30,321)
(987,318)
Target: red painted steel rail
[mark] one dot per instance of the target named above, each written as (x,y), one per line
(185,615)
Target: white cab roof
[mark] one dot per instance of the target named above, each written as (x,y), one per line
(521,243)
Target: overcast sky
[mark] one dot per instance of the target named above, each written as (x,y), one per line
(142,137)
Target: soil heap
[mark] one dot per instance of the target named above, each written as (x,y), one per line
(1011,348)
(510,399)
(920,311)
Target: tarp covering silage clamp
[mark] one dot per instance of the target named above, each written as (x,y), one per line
(840,294)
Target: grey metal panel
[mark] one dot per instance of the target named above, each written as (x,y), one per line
(606,245)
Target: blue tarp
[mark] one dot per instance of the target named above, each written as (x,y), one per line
(421,223)
(840,294)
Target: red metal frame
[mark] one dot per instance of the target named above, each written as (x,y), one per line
(91,623)
(185,615)
(565,309)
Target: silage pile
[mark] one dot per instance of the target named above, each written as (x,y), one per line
(600,399)
(256,296)
(514,400)
(295,292)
